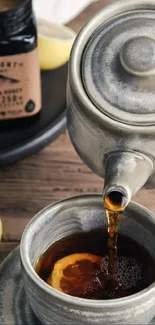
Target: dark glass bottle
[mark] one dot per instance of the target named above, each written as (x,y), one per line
(20,92)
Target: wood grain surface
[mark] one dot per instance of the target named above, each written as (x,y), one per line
(53,174)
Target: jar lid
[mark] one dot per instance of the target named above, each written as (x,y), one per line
(118,67)
(15,19)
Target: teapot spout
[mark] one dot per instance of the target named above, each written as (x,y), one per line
(125,174)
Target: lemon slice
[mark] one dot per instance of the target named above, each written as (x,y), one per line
(70,272)
(1,230)
(54,42)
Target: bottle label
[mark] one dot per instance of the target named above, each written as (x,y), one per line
(20,91)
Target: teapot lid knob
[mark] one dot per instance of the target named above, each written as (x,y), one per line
(137,56)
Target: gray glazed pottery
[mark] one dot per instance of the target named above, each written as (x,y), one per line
(82,214)
(111,96)
(15,308)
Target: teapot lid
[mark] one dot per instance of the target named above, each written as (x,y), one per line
(118,67)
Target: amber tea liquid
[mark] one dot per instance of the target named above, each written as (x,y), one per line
(134,267)
(114,210)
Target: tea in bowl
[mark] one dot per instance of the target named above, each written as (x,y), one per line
(64,259)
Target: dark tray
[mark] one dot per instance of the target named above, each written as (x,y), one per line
(21,138)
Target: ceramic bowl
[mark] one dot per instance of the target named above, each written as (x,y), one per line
(82,214)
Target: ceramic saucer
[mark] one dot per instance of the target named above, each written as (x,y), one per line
(14,306)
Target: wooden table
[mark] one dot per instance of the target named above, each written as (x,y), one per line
(55,173)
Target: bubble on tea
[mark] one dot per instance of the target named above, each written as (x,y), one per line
(129,272)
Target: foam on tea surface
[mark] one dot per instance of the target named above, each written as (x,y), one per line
(129,272)
(129,277)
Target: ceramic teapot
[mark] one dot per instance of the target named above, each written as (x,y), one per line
(111,97)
